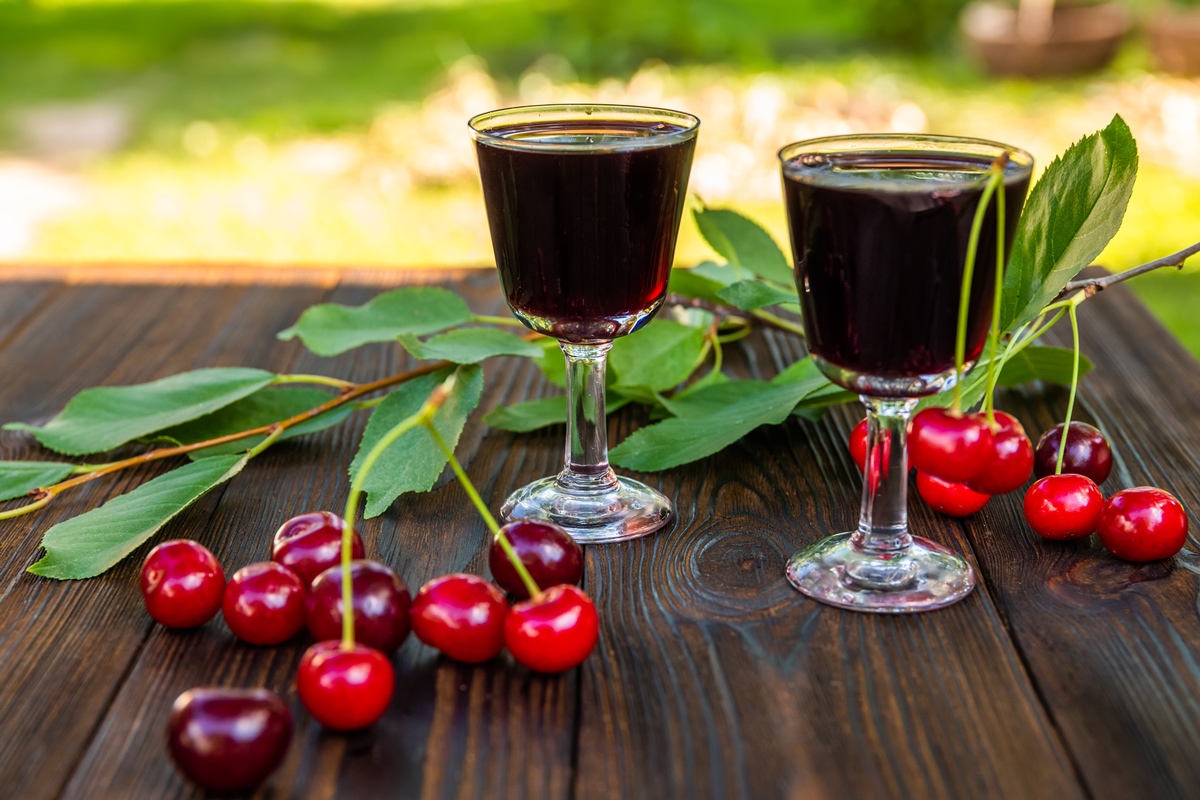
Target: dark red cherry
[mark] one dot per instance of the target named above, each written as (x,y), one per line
(1063,506)
(553,632)
(953,447)
(345,688)
(312,543)
(1087,454)
(264,603)
(1010,465)
(462,616)
(182,584)
(951,499)
(1143,524)
(381,603)
(547,551)
(228,740)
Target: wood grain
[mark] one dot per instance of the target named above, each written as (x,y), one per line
(1067,674)
(1113,647)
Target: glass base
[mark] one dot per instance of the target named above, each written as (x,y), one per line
(626,511)
(926,577)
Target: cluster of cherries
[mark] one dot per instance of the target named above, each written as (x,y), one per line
(232,739)
(962,460)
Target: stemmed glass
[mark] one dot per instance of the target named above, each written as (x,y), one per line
(879,228)
(584,203)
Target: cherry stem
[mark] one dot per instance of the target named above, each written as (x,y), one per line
(530,584)
(997,302)
(778,322)
(995,177)
(1093,285)
(323,380)
(1062,444)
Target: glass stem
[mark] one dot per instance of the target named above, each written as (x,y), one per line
(882,533)
(585,468)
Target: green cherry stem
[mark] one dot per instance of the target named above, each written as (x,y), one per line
(1062,444)
(997,303)
(995,176)
(530,584)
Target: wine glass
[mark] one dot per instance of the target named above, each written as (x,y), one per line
(584,203)
(879,228)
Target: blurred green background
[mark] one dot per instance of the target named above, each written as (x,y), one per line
(333,132)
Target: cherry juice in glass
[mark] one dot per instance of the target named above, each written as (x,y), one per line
(879,242)
(583,220)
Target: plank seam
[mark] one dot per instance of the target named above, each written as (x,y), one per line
(1026,667)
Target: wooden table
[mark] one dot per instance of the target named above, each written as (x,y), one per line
(1066,674)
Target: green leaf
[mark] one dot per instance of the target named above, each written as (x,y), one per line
(749,295)
(1042,363)
(535,414)
(19,478)
(89,544)
(743,243)
(552,363)
(660,356)
(413,463)
(1073,211)
(692,282)
(99,419)
(469,345)
(264,407)
(712,399)
(330,328)
(688,438)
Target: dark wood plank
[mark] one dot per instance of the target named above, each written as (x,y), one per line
(1113,648)
(66,647)
(453,731)
(715,679)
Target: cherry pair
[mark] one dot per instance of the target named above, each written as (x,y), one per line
(987,458)
(1139,524)
(468,619)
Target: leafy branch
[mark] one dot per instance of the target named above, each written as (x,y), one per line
(222,418)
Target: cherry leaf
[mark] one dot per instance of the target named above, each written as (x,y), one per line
(331,328)
(19,478)
(414,462)
(1073,211)
(660,356)
(743,243)
(749,295)
(469,345)
(535,414)
(99,419)
(92,542)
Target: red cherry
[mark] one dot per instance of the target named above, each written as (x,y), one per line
(553,632)
(858,452)
(264,603)
(1010,465)
(858,445)
(1087,453)
(345,688)
(312,543)
(950,446)
(462,616)
(182,584)
(1007,422)
(1143,524)
(547,551)
(1063,506)
(381,603)
(228,740)
(951,499)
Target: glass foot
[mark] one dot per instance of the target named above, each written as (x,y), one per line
(627,511)
(927,576)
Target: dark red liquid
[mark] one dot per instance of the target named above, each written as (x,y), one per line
(584,238)
(880,243)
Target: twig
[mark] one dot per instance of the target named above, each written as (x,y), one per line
(44,495)
(1093,285)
